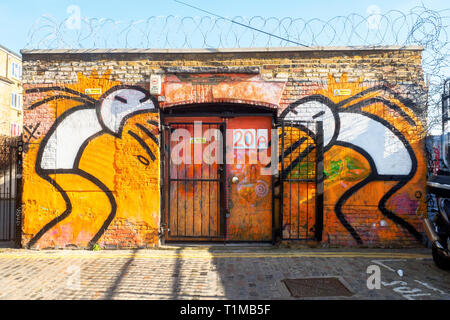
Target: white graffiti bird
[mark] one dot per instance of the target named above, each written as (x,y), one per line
(388,152)
(62,147)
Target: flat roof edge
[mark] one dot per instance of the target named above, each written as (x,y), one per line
(218,50)
(10,52)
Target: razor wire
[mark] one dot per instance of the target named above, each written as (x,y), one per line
(419,26)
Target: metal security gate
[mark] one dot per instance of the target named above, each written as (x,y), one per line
(301,180)
(195,181)
(9,169)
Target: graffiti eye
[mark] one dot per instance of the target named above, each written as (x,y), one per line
(121,99)
(143,160)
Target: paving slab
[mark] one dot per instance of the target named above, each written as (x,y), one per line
(210,272)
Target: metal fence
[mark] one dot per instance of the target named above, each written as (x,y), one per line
(301,180)
(8,189)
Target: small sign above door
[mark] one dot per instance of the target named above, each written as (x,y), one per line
(198,140)
(250,139)
(93,91)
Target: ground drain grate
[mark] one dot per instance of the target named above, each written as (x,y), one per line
(317,287)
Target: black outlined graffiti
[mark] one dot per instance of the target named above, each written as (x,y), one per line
(93,118)
(338,120)
(149,134)
(143,144)
(30,131)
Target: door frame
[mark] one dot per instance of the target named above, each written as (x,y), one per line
(167,181)
(194,112)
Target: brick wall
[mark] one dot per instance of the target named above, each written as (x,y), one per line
(384,84)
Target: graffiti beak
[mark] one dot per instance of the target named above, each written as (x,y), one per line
(113,116)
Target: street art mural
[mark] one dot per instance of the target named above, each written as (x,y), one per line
(369,152)
(92,163)
(96,156)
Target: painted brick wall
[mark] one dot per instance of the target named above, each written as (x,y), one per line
(366,201)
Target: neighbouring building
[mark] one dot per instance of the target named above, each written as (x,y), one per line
(134,148)
(11,101)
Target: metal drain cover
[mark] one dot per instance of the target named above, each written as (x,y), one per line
(317,287)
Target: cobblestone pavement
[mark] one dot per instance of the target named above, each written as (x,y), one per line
(212,273)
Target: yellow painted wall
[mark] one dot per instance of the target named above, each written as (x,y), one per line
(114,173)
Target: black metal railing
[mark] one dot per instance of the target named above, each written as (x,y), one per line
(301,179)
(195,188)
(9,168)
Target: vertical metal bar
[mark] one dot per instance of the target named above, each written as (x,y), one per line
(290,184)
(319,180)
(2,192)
(2,196)
(209,194)
(220,199)
(169,182)
(307,182)
(5,196)
(178,197)
(298,184)
(280,218)
(201,183)
(15,194)
(224,194)
(18,194)
(185,187)
(2,199)
(271,144)
(193,180)
(177,170)
(10,192)
(163,178)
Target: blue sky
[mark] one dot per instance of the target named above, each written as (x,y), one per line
(17,17)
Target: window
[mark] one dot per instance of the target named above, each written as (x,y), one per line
(16,70)
(14,130)
(16,101)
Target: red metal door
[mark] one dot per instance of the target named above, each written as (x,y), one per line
(194,179)
(199,194)
(250,195)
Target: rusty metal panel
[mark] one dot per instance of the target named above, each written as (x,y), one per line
(250,198)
